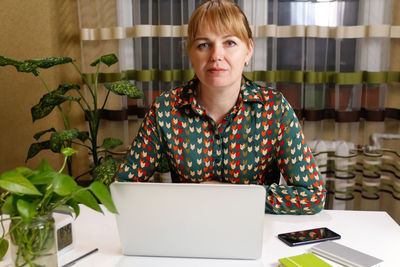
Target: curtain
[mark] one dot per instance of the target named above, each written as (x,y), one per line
(332,60)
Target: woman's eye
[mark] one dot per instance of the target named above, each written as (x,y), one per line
(230,43)
(202,45)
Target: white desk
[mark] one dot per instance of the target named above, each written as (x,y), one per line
(375,233)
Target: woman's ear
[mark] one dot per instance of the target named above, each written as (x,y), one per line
(250,49)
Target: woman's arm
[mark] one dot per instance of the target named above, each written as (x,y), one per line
(144,154)
(305,191)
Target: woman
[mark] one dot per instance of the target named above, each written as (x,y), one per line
(223,128)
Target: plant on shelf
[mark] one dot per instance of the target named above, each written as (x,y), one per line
(28,199)
(103,167)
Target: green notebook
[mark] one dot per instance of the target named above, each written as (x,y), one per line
(303,260)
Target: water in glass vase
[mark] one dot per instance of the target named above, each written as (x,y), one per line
(34,244)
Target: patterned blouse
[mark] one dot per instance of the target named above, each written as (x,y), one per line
(259,139)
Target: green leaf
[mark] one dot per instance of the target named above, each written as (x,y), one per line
(46,105)
(26,210)
(110,143)
(83,136)
(58,139)
(44,166)
(50,100)
(9,206)
(68,151)
(64,184)
(106,170)
(46,63)
(19,65)
(103,195)
(24,171)
(39,134)
(16,183)
(64,209)
(86,198)
(3,247)
(28,67)
(5,61)
(109,60)
(69,98)
(43,178)
(163,167)
(35,148)
(74,205)
(124,87)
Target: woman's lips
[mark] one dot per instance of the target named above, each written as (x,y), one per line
(216,70)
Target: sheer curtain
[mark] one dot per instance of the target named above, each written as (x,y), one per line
(330,59)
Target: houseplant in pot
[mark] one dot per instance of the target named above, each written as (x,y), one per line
(28,199)
(68,96)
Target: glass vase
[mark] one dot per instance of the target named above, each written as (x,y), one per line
(34,244)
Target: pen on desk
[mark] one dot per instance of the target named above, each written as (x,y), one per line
(79,258)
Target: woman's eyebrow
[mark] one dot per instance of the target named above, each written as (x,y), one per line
(201,39)
(207,39)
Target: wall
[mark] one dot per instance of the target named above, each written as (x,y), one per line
(34,29)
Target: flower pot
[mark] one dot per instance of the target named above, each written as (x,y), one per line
(34,244)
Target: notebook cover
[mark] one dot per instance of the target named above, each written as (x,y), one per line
(303,260)
(345,255)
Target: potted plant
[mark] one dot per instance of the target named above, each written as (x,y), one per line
(28,199)
(103,167)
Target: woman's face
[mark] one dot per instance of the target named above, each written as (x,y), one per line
(218,59)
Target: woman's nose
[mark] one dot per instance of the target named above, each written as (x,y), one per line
(216,53)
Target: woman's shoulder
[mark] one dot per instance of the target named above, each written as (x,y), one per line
(268,94)
(170,97)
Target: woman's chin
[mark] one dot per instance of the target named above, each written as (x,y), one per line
(218,81)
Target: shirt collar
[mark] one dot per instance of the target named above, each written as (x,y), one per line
(249,92)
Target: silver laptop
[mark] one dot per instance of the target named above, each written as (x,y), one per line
(190,220)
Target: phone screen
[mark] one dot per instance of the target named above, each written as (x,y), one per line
(308,236)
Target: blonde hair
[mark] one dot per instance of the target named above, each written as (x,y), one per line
(222,16)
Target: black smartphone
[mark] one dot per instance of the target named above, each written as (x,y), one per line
(308,236)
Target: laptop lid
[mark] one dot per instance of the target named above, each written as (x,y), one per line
(190,220)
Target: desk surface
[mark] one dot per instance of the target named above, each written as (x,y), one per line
(372,232)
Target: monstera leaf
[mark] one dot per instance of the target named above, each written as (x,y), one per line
(109,60)
(105,171)
(124,87)
(50,100)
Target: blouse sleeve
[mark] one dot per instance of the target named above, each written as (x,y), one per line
(305,190)
(144,155)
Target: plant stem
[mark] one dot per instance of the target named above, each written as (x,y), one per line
(15,226)
(3,196)
(80,175)
(94,140)
(96,82)
(105,100)
(85,81)
(79,144)
(48,192)
(84,100)
(63,166)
